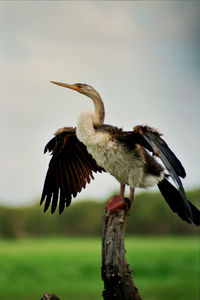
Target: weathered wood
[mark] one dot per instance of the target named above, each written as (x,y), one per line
(116,274)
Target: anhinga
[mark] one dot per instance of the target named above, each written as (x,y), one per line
(95,147)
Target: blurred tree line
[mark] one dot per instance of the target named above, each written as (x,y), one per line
(150,215)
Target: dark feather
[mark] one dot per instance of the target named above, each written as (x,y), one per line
(175,202)
(54,201)
(171,162)
(70,168)
(161,149)
(48,201)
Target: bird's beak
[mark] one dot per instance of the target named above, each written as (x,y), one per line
(66,85)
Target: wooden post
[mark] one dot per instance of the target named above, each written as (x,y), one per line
(116,274)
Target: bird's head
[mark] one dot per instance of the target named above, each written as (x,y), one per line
(79,87)
(87,90)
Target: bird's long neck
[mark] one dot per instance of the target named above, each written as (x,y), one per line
(99,115)
(88,122)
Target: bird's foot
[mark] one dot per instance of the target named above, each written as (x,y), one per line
(116,203)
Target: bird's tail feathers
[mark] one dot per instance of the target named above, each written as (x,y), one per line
(176,202)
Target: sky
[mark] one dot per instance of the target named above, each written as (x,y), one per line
(143,57)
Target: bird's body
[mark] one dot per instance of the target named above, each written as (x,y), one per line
(95,147)
(126,164)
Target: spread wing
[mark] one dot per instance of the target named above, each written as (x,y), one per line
(70,169)
(152,141)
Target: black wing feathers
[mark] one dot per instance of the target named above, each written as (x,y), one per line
(175,202)
(160,148)
(171,162)
(70,168)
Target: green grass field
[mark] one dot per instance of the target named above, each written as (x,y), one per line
(163,268)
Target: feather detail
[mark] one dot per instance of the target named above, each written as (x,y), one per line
(70,168)
(175,201)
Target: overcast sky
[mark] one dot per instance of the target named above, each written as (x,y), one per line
(143,57)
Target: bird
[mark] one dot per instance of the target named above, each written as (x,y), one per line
(132,157)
